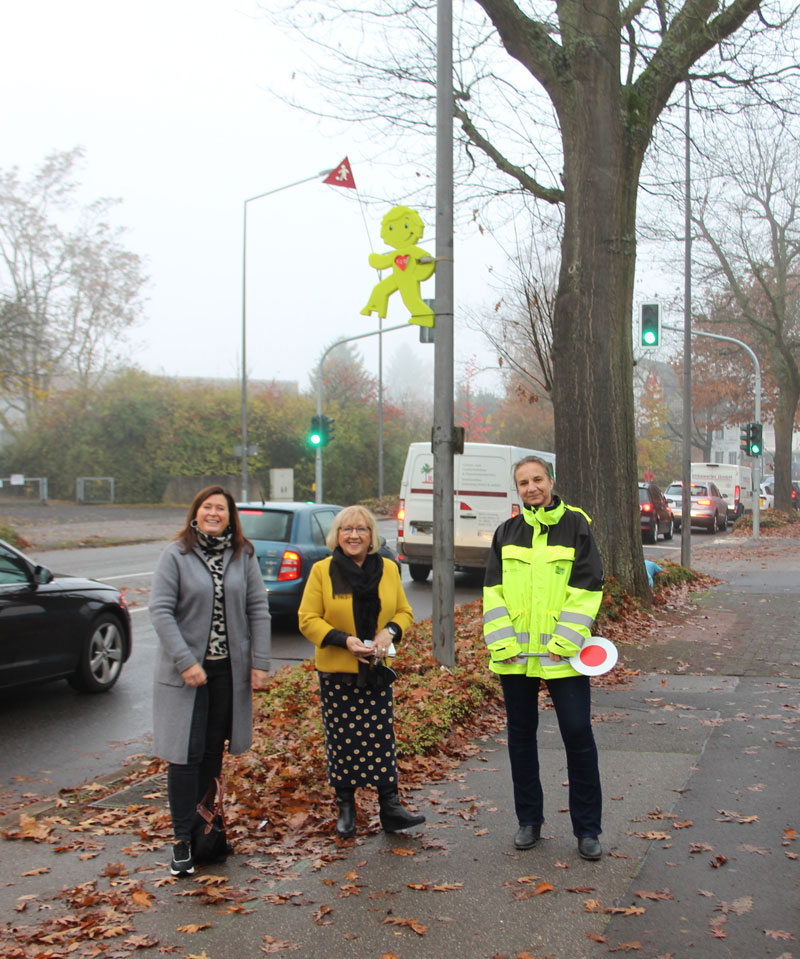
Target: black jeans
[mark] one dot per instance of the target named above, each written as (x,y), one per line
(572,701)
(187,783)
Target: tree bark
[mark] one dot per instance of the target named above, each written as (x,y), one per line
(593,354)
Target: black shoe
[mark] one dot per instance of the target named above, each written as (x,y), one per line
(182,862)
(589,848)
(346,823)
(527,837)
(394,815)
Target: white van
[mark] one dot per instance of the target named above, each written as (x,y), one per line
(734,482)
(485,496)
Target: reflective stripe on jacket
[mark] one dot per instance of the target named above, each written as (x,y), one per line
(543,587)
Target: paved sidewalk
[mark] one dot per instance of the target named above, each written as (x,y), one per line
(700,760)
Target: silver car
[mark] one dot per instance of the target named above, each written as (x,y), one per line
(709,508)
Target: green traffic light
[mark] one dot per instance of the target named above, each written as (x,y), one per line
(649,338)
(315,439)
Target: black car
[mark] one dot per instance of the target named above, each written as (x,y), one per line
(655,513)
(54,626)
(289,538)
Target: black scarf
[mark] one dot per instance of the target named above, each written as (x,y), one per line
(362,581)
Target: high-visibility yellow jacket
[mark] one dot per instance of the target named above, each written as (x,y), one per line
(542,590)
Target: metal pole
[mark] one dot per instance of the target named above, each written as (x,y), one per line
(686,456)
(380,409)
(757,404)
(443,377)
(258,196)
(347,339)
(244,357)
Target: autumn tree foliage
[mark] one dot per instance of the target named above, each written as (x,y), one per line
(654,450)
(69,289)
(749,226)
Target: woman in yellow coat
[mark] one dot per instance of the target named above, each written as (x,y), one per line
(353,609)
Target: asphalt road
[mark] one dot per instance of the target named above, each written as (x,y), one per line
(58,738)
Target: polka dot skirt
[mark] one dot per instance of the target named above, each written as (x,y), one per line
(359,734)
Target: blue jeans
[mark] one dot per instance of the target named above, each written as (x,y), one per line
(571,697)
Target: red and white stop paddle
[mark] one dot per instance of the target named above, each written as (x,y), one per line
(597,656)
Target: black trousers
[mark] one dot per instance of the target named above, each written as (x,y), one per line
(571,696)
(188,782)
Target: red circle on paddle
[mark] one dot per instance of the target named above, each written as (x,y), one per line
(593,655)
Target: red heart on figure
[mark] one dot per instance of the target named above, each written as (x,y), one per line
(401,261)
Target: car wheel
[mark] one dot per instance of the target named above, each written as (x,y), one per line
(724,524)
(713,527)
(419,572)
(650,535)
(668,534)
(101,656)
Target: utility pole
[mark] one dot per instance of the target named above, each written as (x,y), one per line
(442,439)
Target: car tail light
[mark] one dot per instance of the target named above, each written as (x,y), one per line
(647,507)
(290,566)
(737,494)
(401,516)
(515,510)
(704,502)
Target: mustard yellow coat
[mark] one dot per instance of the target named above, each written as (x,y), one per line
(320,612)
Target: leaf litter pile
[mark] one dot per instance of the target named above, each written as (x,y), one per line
(279,808)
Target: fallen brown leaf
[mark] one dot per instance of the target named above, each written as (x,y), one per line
(194,927)
(413,924)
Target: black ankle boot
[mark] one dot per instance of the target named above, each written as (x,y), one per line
(394,816)
(346,823)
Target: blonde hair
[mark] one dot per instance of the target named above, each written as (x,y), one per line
(347,516)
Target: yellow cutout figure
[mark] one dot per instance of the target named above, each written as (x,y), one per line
(401,228)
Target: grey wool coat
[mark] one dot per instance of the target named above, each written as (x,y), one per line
(181,604)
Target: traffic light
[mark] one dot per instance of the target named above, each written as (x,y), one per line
(315,434)
(744,439)
(751,440)
(321,432)
(756,439)
(650,325)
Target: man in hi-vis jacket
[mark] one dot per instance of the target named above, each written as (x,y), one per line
(543,587)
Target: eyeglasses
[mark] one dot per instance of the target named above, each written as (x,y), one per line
(361,530)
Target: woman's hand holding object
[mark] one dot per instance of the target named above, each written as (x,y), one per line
(358,649)
(195,675)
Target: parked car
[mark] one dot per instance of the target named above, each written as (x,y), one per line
(54,626)
(767,500)
(655,513)
(289,538)
(709,508)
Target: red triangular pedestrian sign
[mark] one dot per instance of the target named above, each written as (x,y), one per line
(341,175)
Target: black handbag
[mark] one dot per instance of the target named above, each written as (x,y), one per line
(209,841)
(380,676)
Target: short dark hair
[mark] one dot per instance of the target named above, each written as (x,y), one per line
(548,467)
(186,537)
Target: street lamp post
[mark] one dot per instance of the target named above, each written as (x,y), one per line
(258,196)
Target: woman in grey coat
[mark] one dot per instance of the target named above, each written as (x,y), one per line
(209,608)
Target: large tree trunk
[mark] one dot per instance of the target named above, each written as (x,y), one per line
(593,355)
(788,398)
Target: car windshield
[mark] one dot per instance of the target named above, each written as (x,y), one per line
(675,489)
(698,490)
(644,496)
(266,524)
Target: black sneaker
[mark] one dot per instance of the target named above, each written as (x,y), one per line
(182,863)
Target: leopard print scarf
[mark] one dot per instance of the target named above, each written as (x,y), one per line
(213,550)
